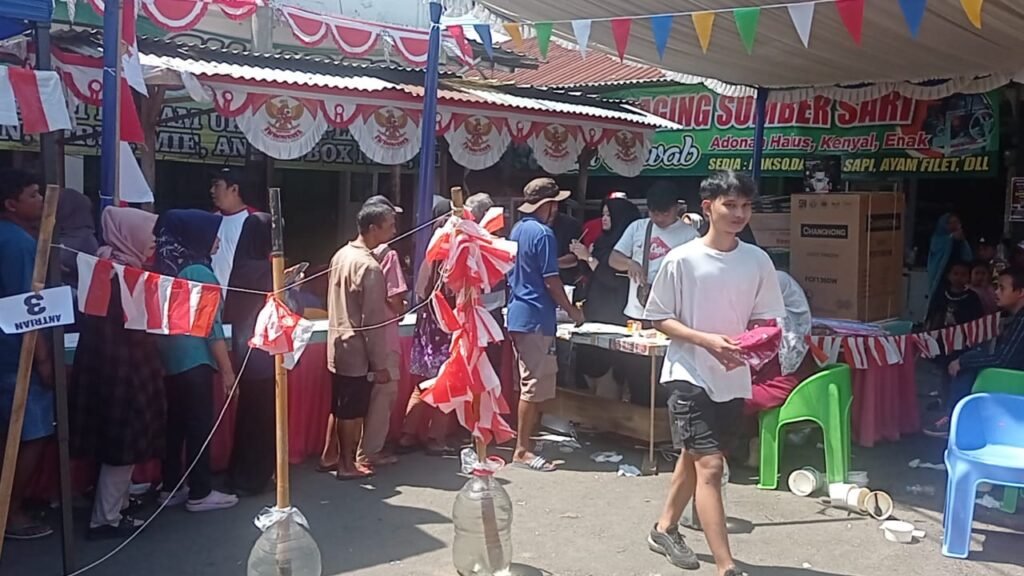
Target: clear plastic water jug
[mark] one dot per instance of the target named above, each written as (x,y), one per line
(482,516)
(285,547)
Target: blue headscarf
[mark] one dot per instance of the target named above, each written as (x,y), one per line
(184,238)
(940,253)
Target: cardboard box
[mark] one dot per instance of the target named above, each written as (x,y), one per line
(846,250)
(771,230)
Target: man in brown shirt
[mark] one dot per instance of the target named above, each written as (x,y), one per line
(357,344)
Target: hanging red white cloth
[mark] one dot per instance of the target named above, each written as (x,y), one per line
(38,95)
(281,331)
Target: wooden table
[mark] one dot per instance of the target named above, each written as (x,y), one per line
(612,415)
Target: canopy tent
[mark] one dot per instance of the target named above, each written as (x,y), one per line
(947,46)
(16,16)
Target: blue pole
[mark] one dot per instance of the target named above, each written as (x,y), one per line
(428,138)
(110,134)
(759,109)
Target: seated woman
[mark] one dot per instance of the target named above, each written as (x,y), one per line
(779,376)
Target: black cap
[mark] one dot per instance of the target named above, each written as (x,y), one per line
(230,175)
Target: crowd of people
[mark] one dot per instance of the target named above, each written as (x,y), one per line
(136,396)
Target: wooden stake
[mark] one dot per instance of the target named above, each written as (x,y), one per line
(281,390)
(28,349)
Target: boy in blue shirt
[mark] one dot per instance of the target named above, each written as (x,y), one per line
(535,291)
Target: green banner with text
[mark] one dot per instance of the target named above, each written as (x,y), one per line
(892,135)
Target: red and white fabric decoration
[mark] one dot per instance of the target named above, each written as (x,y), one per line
(281,331)
(83,77)
(625,152)
(387,135)
(474,260)
(283,127)
(826,349)
(131,67)
(556,148)
(183,15)
(39,96)
(477,142)
(151,302)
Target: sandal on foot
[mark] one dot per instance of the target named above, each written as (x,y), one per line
(538,464)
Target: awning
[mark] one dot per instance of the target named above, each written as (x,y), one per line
(948,45)
(15,15)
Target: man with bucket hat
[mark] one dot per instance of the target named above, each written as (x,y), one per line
(536,290)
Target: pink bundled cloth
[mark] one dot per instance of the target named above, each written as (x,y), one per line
(759,345)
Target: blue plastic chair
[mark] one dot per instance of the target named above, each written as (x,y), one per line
(986,444)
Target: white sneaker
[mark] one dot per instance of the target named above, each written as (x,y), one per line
(214,501)
(176,499)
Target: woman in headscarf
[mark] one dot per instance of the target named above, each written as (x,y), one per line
(252,456)
(607,290)
(75,229)
(947,245)
(186,240)
(117,403)
(779,376)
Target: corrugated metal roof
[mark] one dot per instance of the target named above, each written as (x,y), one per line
(567,67)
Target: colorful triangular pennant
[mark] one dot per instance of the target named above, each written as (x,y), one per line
(620,33)
(581,30)
(802,16)
(483,31)
(703,22)
(459,35)
(746,24)
(515,33)
(661,27)
(973,10)
(913,13)
(851,12)
(543,38)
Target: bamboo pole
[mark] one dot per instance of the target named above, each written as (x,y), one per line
(281,375)
(28,349)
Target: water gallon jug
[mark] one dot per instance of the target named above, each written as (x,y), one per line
(285,547)
(483,525)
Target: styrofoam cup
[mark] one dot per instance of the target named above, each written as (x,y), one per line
(879,505)
(858,477)
(805,481)
(856,499)
(837,493)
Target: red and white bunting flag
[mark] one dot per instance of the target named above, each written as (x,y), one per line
(281,331)
(38,95)
(133,297)
(494,220)
(893,348)
(93,285)
(856,352)
(131,67)
(176,306)
(928,343)
(826,349)
(459,35)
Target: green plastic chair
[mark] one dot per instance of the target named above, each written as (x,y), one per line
(824,399)
(1002,381)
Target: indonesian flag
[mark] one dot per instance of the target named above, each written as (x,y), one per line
(131,67)
(39,96)
(281,331)
(494,220)
(826,349)
(152,302)
(857,352)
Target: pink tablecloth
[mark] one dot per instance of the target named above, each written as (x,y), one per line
(885,403)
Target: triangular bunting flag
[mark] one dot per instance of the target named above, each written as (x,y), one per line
(515,33)
(459,35)
(851,12)
(620,33)
(661,27)
(483,31)
(703,22)
(802,16)
(543,38)
(746,24)
(973,10)
(581,30)
(913,12)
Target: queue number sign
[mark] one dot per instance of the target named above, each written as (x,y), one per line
(37,310)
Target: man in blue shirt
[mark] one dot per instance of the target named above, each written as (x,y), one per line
(21,208)
(535,291)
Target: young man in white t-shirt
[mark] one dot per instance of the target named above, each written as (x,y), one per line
(706,293)
(667,231)
(226,193)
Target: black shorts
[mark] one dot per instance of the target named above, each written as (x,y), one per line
(350,396)
(699,424)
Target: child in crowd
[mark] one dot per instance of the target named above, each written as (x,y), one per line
(981,284)
(1007,353)
(956,304)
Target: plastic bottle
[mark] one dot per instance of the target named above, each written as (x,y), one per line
(482,516)
(285,548)
(919,490)
(469,460)
(690,519)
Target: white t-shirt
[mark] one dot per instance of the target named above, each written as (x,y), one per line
(663,240)
(714,292)
(224,259)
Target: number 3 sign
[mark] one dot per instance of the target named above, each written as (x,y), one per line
(37,311)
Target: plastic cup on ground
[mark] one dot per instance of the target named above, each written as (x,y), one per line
(837,493)
(805,481)
(879,505)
